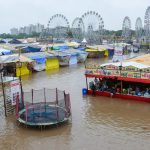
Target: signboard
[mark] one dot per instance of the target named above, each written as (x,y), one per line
(145,76)
(130,72)
(15,91)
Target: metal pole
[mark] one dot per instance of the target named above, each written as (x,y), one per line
(86,83)
(20,65)
(3,86)
(66,112)
(32,96)
(121,87)
(32,102)
(45,99)
(17,106)
(57,104)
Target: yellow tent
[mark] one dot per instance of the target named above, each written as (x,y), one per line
(52,63)
(23,70)
(20,62)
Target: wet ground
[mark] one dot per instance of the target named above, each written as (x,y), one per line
(98,123)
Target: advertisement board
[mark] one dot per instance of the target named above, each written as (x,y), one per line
(15,91)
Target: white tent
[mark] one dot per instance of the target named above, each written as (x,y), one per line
(13,58)
(84,41)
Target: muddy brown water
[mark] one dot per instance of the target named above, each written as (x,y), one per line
(98,123)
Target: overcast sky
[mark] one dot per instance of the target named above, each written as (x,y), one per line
(16,13)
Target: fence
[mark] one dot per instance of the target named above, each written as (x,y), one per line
(43,107)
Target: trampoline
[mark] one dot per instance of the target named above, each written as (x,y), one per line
(44,113)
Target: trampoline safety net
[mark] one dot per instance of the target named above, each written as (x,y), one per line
(43,107)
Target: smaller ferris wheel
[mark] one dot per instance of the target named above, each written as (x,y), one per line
(78,29)
(93,27)
(58,26)
(126,28)
(147,23)
(138,28)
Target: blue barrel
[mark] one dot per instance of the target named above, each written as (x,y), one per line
(84,91)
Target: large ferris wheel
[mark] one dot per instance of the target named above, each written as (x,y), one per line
(93,27)
(78,29)
(147,24)
(126,28)
(58,26)
(138,28)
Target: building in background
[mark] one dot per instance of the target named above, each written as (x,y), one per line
(14,31)
(28,29)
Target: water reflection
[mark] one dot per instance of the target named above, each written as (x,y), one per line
(118,114)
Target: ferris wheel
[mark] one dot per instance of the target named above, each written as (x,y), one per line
(58,26)
(138,28)
(44,34)
(93,27)
(126,28)
(45,37)
(147,23)
(78,29)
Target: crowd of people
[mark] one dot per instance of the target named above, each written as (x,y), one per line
(114,86)
(103,85)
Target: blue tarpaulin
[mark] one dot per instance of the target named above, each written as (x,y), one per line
(15,41)
(63,47)
(39,59)
(29,49)
(73,60)
(81,48)
(111,52)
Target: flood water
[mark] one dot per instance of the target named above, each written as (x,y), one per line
(98,123)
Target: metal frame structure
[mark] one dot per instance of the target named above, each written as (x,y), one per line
(126,29)
(94,27)
(78,29)
(138,29)
(58,26)
(147,25)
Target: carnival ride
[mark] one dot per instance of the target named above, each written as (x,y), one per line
(45,36)
(138,29)
(126,29)
(147,25)
(78,29)
(93,27)
(58,26)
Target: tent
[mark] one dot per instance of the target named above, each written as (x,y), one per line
(29,49)
(15,41)
(15,58)
(2,42)
(84,41)
(64,47)
(5,51)
(73,44)
(40,62)
(44,60)
(140,62)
